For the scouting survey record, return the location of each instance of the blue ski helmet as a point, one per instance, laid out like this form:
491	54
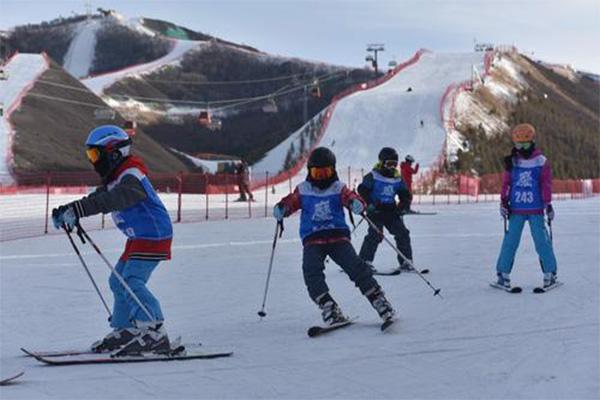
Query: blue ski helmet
107	148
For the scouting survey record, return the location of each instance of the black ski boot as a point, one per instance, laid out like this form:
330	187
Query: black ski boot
330	311
380	303
152	338
114	340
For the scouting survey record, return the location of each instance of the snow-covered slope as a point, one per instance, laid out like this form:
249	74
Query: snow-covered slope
80	56
22	71
391	114
98	83
475	343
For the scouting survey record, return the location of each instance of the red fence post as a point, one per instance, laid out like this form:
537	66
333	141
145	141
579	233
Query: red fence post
179	193
226	196
459	187
433	189
206	193
47	201
266	192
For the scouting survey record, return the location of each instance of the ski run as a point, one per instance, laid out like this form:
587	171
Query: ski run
475	342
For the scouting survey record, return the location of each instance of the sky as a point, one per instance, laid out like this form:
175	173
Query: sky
337	31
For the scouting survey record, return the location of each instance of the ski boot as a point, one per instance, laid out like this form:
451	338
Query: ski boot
376	297
114	340
330	311
152	338
549	279
503	280
406	266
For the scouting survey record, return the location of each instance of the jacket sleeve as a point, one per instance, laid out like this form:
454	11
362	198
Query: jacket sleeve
291	202
128	192
546	183
416	169
349	195
366	187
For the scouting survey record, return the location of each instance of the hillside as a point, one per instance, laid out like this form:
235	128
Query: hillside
564	108
54	120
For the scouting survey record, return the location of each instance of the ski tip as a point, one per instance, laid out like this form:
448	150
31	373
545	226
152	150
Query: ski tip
314	331
387	324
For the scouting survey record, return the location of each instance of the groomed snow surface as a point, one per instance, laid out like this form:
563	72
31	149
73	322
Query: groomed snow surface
476	342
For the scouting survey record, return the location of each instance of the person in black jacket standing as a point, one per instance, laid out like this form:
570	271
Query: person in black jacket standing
379	189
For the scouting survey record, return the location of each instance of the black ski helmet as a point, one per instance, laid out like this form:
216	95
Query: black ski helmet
321	157
388	153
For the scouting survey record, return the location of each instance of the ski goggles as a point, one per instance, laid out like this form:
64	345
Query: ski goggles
522	145
320	173
93	154
390	164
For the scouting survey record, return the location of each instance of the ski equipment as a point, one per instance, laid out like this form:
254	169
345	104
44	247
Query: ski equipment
317	330
278	232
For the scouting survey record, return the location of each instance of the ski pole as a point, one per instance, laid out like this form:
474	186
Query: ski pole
278	232
87	270
436	292
118	275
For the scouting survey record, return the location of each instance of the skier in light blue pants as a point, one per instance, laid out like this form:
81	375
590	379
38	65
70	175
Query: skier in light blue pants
526	195
126	310
541	239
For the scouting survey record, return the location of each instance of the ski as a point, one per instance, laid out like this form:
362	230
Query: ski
178	354
386	324
513	289
413	212
545	289
11	379
76	352
317	330
398	271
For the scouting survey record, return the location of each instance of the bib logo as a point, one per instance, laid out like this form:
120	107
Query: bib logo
322	212
388	191
525	180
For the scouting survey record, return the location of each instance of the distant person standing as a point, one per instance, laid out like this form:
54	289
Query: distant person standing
407	171
243	179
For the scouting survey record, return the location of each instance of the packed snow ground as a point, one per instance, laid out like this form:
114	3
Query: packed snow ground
21	71
476	342
80	56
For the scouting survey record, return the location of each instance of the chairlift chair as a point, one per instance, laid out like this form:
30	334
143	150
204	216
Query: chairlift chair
204	119
215	124
270	107
130	127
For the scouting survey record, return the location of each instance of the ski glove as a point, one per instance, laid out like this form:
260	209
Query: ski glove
550	212
357	206
65	215
279	212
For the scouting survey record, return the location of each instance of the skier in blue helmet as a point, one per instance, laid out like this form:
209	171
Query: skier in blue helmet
126	193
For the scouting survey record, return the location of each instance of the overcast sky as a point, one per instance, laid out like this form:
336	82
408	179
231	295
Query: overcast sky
336	31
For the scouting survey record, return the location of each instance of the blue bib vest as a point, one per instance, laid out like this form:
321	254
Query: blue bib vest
321	209
385	189
147	219
525	187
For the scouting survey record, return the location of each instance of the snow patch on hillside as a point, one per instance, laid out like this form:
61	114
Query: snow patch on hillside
80	57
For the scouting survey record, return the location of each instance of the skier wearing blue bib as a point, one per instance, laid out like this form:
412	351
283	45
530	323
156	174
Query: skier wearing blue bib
379	189
126	193
526	194
324	232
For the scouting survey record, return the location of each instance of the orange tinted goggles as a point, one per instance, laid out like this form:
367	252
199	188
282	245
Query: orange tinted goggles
320	173
93	154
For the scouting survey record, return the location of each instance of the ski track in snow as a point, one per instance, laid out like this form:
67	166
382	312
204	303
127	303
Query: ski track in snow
476	342
80	56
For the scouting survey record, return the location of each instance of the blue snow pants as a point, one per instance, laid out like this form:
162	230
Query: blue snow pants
126	310
541	239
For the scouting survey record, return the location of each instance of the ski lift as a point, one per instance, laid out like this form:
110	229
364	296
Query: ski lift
270	106
315	90
215	124
204	119
130	127
3	74
392	66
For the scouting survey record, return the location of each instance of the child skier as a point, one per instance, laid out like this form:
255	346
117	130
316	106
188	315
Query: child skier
526	193
137	211
379	189
322	198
